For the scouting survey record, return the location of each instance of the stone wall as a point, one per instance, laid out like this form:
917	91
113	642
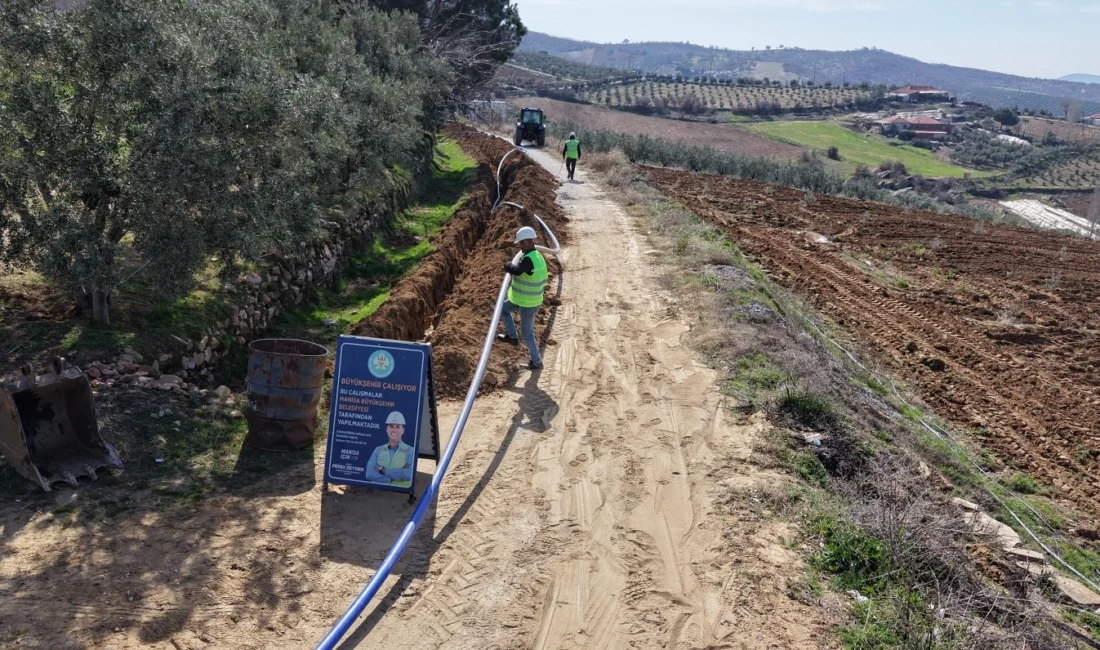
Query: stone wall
259	297
255	299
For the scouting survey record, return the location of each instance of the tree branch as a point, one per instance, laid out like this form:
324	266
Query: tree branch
43	187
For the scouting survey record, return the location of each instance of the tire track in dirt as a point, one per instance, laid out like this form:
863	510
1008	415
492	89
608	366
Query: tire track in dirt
588	507
603	528
995	370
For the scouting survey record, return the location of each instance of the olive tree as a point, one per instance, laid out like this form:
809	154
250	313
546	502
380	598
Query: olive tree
1006	117
473	36
182	131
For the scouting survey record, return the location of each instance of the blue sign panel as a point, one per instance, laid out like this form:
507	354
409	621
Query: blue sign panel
380	405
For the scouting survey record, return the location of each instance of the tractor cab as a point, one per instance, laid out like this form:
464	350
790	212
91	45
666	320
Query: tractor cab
531	127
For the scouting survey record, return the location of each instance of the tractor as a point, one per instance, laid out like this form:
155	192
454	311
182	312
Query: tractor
531	127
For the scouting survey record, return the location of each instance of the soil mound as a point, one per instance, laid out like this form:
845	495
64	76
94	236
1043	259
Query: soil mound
449	299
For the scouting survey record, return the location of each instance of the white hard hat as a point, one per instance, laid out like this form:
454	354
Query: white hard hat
526	232
396	418
572	135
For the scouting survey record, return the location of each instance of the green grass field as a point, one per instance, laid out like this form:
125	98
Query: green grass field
856	149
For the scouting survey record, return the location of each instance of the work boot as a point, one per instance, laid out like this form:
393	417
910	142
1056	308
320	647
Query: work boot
534	366
504	338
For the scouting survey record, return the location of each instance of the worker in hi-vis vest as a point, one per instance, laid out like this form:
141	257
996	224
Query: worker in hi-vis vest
392	462
525	294
571	153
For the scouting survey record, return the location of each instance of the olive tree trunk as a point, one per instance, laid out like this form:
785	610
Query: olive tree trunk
101	307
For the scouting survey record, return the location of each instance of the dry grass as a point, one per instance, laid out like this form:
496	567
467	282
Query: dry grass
601	163
938	583
617	172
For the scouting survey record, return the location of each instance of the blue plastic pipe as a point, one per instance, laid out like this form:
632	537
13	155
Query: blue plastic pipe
356	608
371	590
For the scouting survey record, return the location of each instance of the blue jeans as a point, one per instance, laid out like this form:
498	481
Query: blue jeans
527	322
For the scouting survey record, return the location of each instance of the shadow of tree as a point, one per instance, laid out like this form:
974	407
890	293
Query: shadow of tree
126	564
113	563
152	573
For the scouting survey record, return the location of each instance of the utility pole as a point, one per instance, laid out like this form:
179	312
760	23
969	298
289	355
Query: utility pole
1094	212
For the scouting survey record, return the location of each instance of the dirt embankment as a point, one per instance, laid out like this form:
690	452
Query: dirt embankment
450	297
413	304
995	326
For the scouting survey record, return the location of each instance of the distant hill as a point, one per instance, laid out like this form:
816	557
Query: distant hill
1082	78
562	68
870	65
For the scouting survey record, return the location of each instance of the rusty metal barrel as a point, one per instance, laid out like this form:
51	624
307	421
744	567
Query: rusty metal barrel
285	379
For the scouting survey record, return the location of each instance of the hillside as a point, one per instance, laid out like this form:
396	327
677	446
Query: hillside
1082	78
871	65
561	68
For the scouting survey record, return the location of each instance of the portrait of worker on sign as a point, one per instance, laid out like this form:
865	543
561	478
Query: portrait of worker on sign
392	463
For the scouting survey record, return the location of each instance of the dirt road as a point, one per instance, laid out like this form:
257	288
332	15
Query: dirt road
588	507
598	520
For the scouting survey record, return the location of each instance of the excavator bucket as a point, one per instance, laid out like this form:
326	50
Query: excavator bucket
48	429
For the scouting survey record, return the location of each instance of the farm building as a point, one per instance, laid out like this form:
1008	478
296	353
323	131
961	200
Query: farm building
913	94
1093	120
922	127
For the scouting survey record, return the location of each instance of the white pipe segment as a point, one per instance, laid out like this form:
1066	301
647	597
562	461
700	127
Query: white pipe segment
556	250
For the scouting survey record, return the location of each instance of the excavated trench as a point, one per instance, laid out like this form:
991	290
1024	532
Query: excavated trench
449	299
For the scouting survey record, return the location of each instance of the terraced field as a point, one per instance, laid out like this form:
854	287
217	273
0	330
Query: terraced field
1038	127
1075	171
748	99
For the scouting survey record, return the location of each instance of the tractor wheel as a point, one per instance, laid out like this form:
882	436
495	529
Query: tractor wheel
519	137
542	139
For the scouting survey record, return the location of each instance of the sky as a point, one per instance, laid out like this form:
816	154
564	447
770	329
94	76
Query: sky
1032	38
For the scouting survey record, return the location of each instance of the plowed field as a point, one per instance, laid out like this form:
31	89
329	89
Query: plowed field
995	327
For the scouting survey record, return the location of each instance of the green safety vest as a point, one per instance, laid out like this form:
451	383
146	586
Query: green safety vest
399	460
527	289
572	149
